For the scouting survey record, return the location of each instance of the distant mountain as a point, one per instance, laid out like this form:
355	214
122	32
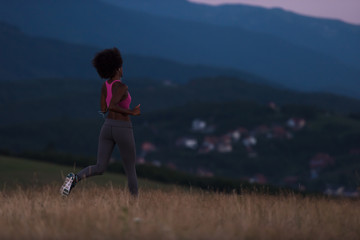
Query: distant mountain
192	42
27	57
331	37
24	57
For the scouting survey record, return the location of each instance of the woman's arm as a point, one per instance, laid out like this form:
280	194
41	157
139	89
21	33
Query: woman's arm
118	92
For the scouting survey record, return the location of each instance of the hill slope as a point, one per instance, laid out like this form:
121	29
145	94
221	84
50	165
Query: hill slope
24	56
279	151
332	37
25	172
60	98
27	57
186	41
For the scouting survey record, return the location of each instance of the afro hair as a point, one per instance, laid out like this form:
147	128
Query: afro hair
107	62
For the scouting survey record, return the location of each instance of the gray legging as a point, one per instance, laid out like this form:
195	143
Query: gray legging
121	133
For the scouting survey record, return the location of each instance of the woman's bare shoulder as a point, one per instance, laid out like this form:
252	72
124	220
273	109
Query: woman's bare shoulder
120	85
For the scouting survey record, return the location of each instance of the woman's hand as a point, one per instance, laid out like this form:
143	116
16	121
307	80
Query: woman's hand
136	110
102	113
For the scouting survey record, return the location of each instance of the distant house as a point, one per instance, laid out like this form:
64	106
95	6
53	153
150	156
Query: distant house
187	142
198	125
222	144
296	123
249	141
209	144
235	135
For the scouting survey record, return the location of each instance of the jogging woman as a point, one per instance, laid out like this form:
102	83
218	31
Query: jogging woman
117	128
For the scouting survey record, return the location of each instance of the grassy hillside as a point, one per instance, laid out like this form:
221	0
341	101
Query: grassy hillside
27	172
30	173
110	213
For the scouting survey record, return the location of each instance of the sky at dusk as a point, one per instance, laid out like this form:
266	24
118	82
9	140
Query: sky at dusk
346	10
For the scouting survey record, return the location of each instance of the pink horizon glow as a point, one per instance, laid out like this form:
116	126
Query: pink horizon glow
345	10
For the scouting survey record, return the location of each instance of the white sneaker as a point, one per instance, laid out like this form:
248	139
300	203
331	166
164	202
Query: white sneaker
68	184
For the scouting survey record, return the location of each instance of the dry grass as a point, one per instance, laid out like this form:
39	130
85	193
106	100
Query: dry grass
110	213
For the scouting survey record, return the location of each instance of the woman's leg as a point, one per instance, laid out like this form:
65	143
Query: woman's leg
105	149
124	138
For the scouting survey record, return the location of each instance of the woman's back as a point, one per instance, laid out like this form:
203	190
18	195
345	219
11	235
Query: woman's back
113	95
125	103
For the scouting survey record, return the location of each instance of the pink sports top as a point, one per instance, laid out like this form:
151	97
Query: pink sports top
124	103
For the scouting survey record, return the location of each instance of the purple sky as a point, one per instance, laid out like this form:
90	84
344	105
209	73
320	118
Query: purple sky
346	10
